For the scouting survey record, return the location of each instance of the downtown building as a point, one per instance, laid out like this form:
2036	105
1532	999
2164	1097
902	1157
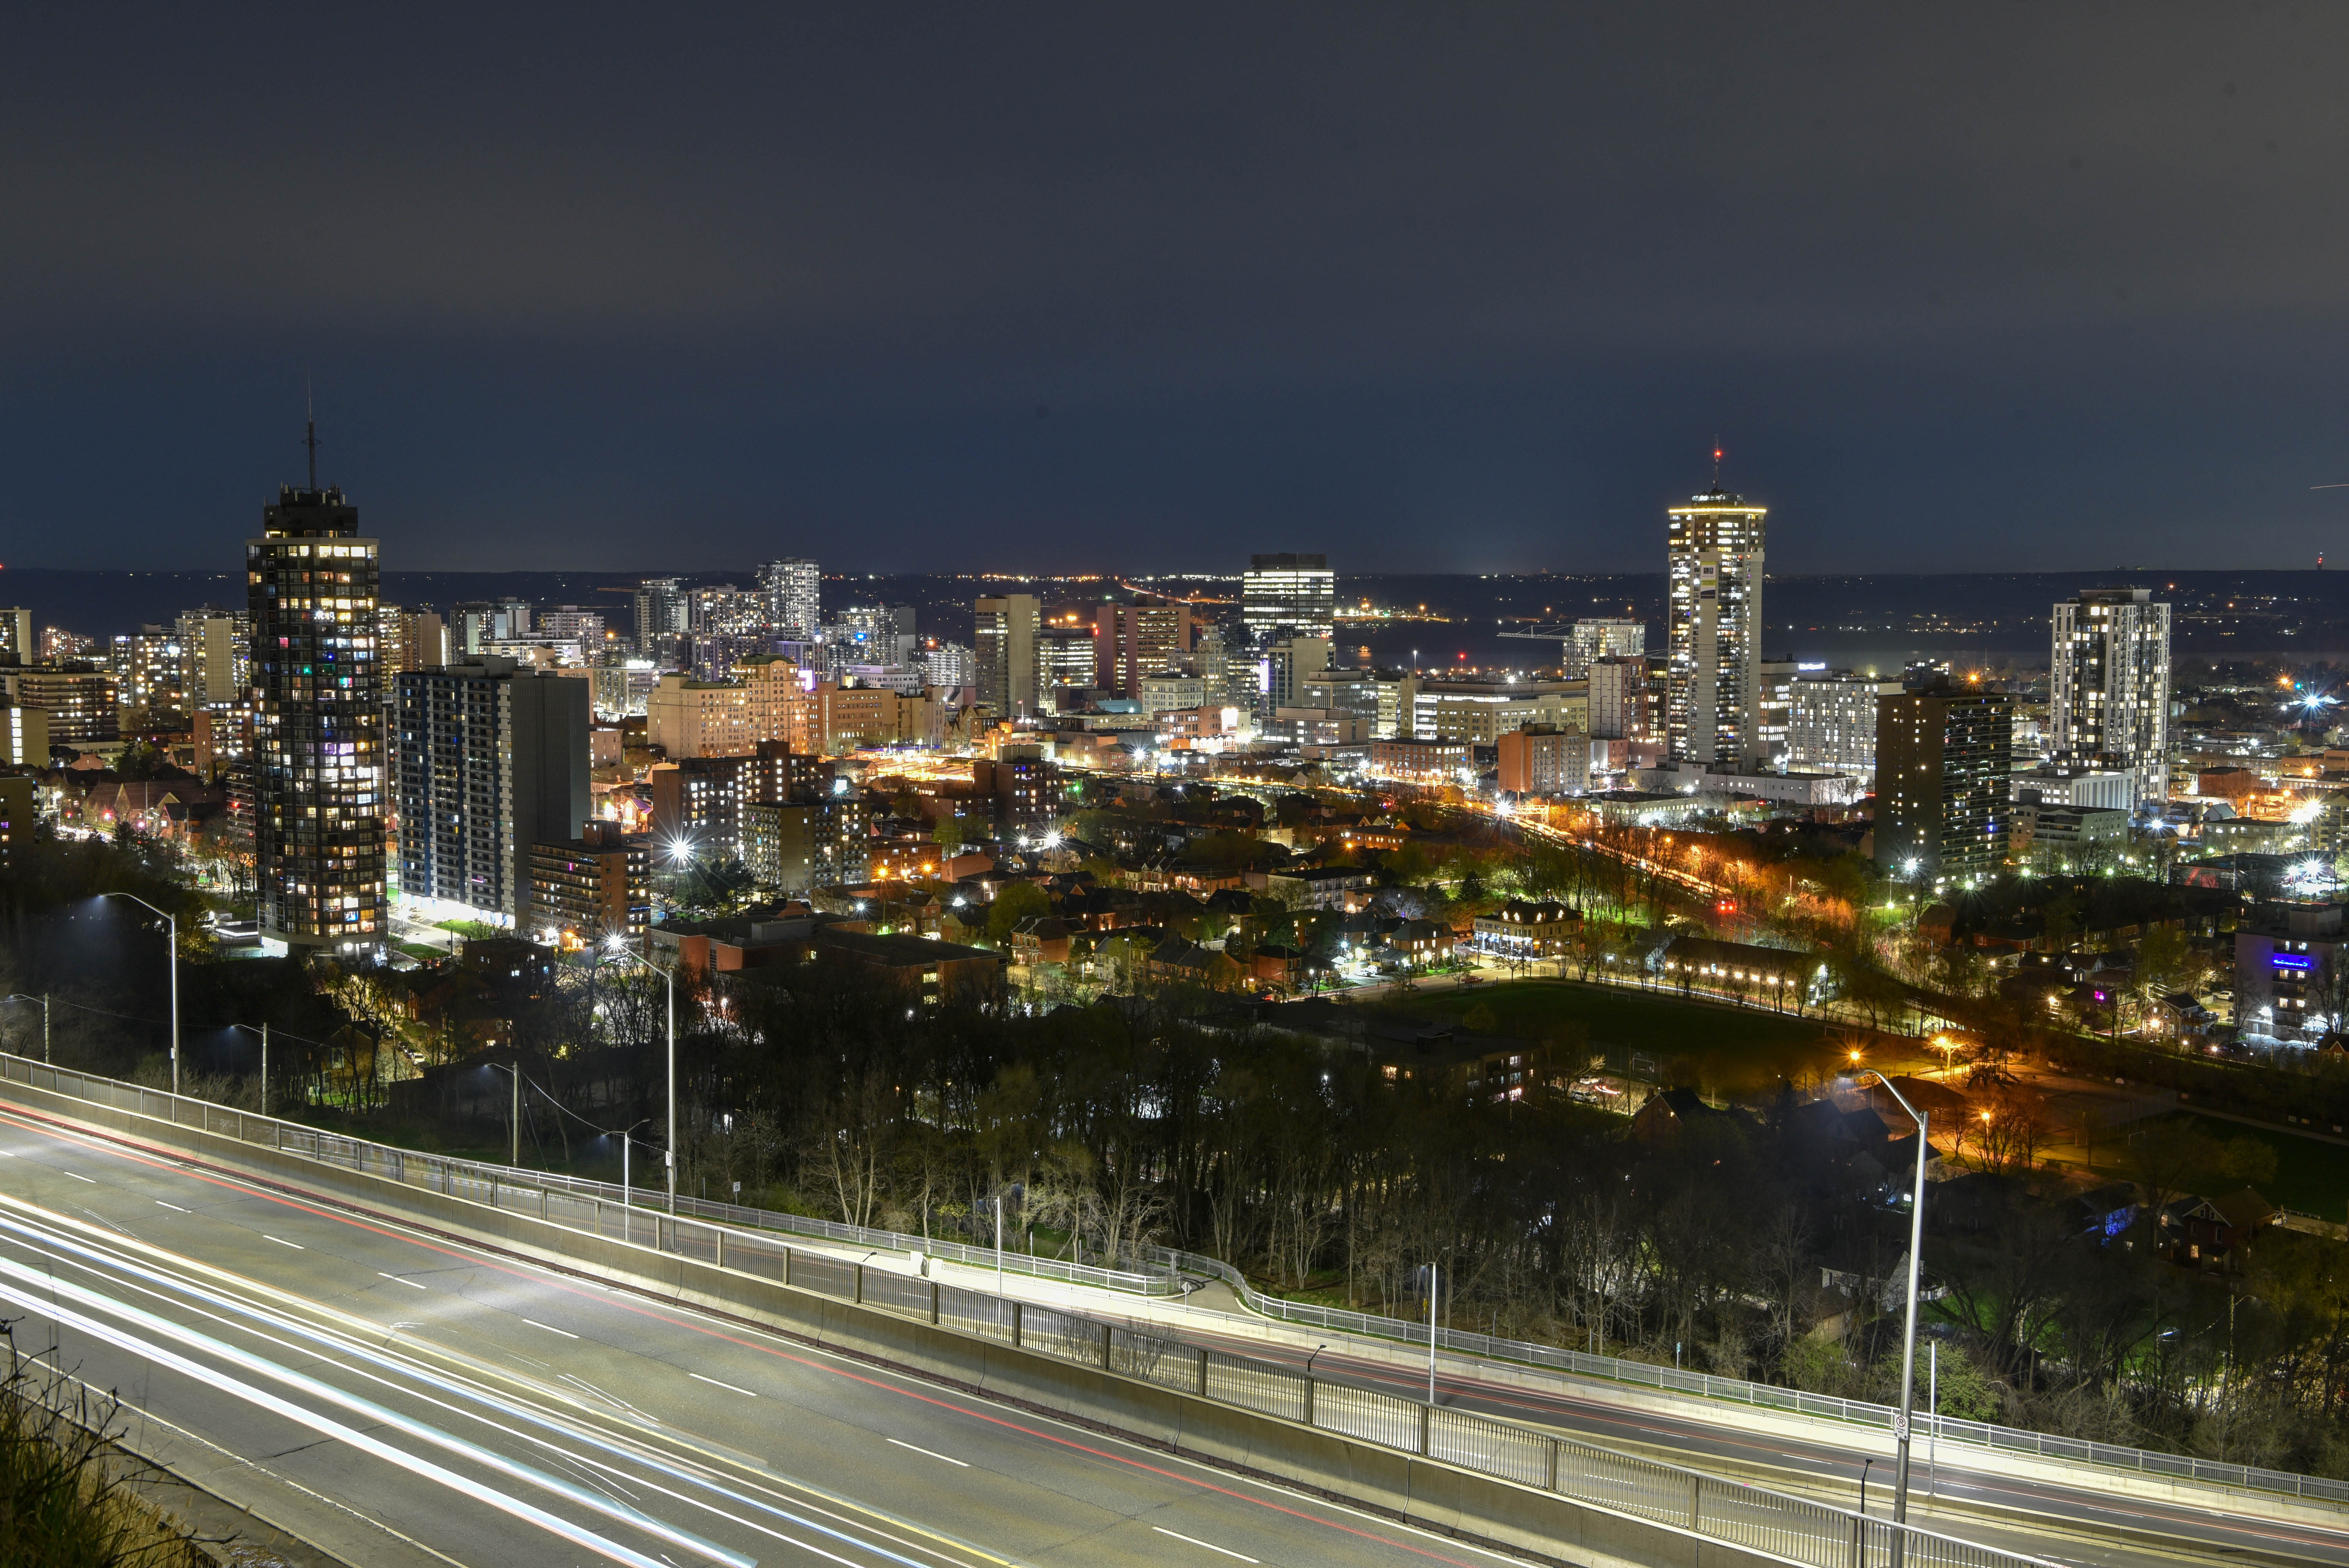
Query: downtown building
1006	652
317	766
1831	725
2108	687
1289	595
1588	642
592	888
793	591
1712	694
1944	811
491	761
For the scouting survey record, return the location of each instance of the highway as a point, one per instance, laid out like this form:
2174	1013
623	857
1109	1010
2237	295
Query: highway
397	1399
1824	1463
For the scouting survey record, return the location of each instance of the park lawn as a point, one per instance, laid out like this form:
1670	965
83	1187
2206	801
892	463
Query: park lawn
2311	1177
1741	1052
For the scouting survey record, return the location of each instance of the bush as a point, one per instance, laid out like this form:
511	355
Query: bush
64	1497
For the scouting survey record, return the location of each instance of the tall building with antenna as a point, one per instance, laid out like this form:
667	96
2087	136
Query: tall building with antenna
312	585
1712	689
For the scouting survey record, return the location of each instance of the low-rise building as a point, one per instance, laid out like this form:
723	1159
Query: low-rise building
2289	980
1544	759
1522	930
590	887
1420	761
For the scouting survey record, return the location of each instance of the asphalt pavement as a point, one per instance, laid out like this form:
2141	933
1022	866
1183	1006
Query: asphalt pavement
397	1399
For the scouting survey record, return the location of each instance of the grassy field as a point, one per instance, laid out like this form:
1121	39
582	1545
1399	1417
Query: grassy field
2309	1176
1734	1051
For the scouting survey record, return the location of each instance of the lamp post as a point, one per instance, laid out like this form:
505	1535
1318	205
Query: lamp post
1908	1334
171	924
617	946
44	1000
264	1032
513	1123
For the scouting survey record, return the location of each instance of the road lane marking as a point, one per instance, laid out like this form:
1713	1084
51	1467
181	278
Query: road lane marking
700	1379
284	1243
1197	1542
550	1328
173	1207
79	1176
948	1457
397	1280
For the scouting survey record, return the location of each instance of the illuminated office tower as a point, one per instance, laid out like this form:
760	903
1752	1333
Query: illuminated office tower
793	592
1289	595
1712	694
1004	629
2108	687
1590	641
318	764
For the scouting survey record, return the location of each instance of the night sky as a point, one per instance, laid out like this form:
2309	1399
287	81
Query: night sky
1431	288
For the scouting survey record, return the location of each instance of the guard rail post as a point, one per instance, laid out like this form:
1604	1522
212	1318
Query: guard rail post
856	1284
934	1303
1105	1339
721	1246
787	1265
1203	1372
1696	1500
1309	1401
1016	1324
1426	1450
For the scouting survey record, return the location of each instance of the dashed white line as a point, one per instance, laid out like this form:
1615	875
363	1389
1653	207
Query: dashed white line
284	1243
713	1382
173	1207
397	1280
79	1176
1197	1542
934	1454
550	1328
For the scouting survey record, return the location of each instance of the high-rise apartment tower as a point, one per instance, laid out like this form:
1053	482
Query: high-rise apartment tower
1713	699
319	759
793	589
2108	689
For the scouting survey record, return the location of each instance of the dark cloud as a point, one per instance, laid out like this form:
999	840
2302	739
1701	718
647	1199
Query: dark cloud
1427	286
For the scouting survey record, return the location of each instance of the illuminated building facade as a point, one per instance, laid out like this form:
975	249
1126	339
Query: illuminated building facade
1712	696
312	583
2109	685
1289	595
1591	641
793	592
1831	723
491	760
1005	642
1943	812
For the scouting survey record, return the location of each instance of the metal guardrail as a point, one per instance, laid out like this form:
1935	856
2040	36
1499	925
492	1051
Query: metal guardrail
443	1175
1797	1531
597	1206
1765	1396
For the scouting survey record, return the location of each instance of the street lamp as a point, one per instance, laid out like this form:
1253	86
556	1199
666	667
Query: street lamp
172	923
617	946
264	1032
44	1000
1908	1334
513	1124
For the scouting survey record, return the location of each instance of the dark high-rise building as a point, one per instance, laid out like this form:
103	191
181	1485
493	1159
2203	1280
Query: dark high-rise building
1004	638
1942	762
492	760
319	759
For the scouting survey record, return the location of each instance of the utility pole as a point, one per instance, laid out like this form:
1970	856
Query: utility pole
45	1028
264	1069
513	1124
